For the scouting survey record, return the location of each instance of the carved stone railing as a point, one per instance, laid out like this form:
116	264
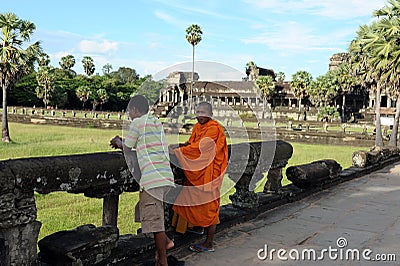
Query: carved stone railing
248	166
374	155
102	175
105	175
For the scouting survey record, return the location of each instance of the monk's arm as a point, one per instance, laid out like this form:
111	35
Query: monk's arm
206	143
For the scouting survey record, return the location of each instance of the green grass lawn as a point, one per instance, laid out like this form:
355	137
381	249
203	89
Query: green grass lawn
63	211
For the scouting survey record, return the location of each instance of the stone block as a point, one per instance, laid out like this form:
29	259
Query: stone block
84	245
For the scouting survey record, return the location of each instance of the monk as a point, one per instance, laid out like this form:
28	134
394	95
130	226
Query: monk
203	158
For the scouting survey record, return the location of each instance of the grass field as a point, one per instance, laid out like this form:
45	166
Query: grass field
63	211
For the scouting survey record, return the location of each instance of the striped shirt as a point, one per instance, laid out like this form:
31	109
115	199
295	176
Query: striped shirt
146	135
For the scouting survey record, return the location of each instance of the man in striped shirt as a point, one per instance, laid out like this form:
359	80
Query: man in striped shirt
147	137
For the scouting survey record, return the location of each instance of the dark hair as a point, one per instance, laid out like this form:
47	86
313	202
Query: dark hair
208	105
140	103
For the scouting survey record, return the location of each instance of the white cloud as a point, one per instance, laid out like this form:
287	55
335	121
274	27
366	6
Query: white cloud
207	10
57	56
154	45
87	46
293	37
340	9
167	18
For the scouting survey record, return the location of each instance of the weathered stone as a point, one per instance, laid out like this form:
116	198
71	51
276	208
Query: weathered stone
365	158
7	180
313	174
84	245
374	155
76	174
274	179
16	248
247	164
106	175
7	201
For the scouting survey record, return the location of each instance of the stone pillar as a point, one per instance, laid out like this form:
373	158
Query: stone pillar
18	244
274	178
243	197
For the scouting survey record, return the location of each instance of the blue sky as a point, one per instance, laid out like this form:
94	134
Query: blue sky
149	35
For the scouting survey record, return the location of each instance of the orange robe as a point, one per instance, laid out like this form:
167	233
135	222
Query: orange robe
204	163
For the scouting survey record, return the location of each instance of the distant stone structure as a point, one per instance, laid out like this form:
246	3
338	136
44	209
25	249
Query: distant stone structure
253	72
229	96
244	92
337	59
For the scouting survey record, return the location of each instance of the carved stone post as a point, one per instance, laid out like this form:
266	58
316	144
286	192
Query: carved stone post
274	179
248	163
243	197
110	210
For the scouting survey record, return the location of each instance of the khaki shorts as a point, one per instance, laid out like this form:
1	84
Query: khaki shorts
149	211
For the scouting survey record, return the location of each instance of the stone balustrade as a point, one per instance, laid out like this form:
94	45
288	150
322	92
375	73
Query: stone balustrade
102	175
105	175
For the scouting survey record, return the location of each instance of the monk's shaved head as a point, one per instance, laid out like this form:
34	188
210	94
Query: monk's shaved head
207	105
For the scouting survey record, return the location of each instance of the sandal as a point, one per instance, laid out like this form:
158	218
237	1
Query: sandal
199	248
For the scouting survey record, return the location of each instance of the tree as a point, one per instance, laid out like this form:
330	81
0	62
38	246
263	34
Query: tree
88	65
45	78
250	70
267	85
125	75
107	69
102	97
368	61
346	82
281	76
193	36
67	63
300	82
388	51
15	61
323	89
83	93
44	60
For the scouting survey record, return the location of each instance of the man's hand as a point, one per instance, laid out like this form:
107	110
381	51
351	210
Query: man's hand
116	142
172	147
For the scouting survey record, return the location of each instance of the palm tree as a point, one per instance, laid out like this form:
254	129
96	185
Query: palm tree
45	78
67	62
107	69
300	82
15	61
102	97
267	85
44	60
193	36
365	64
323	89
389	48
346	82
83	93
88	65
280	76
